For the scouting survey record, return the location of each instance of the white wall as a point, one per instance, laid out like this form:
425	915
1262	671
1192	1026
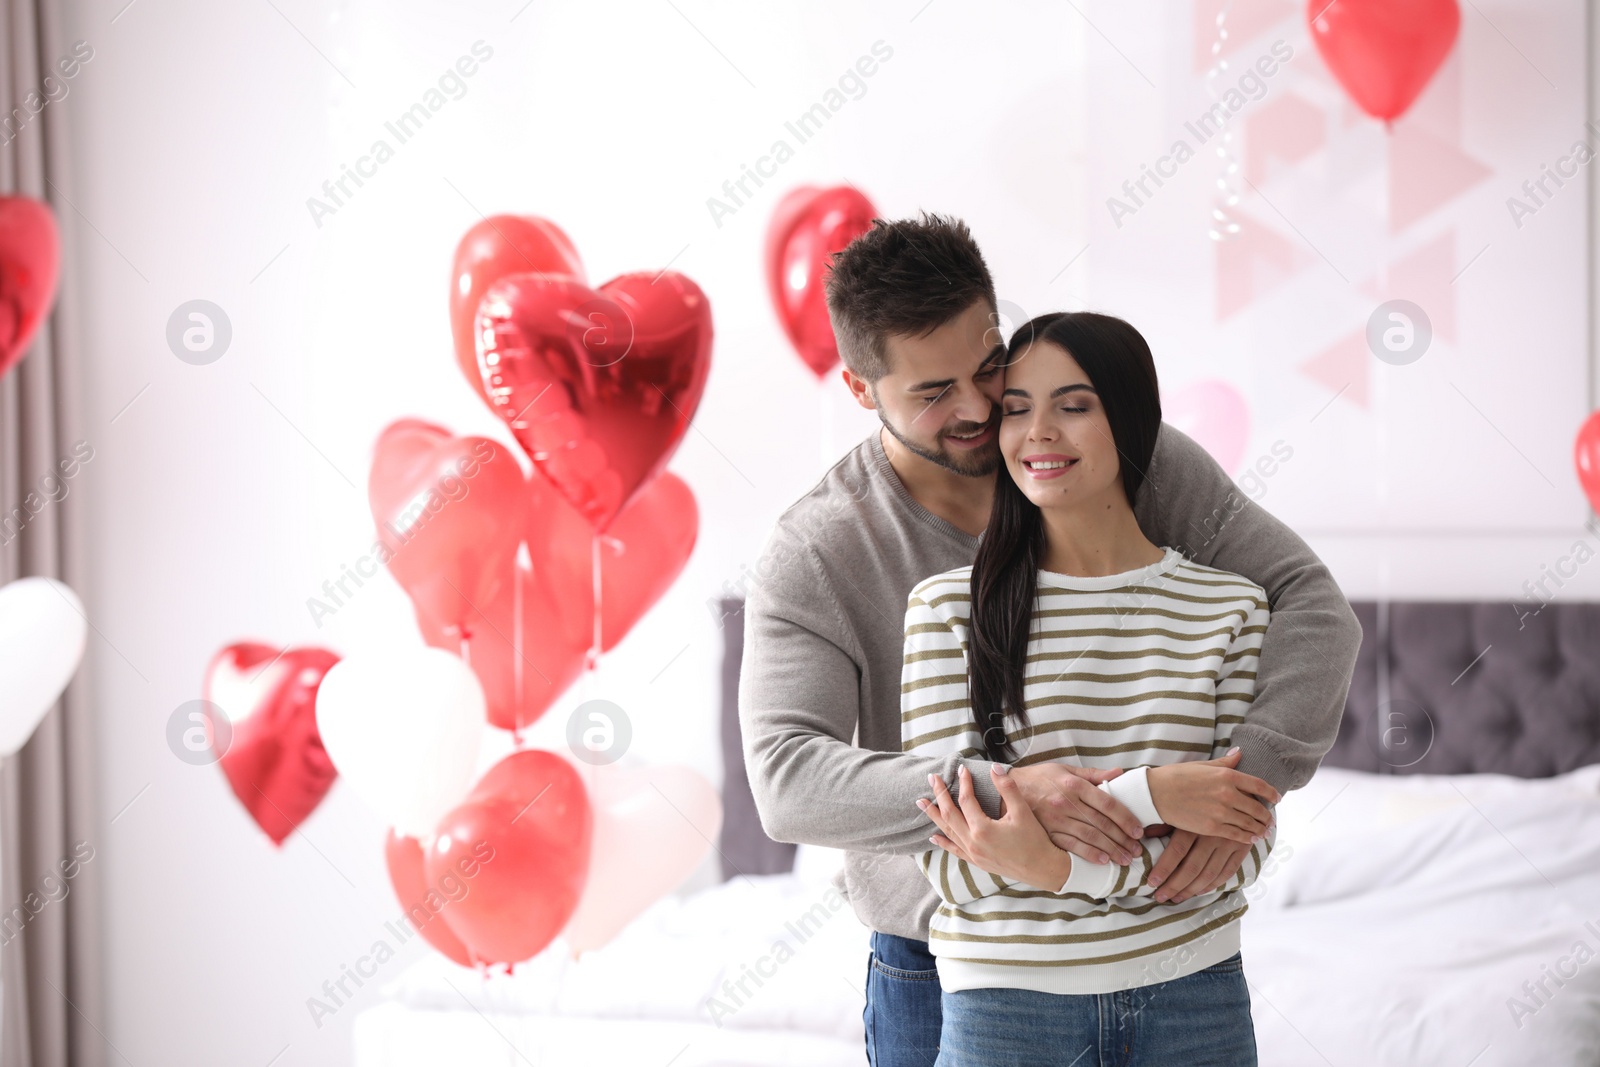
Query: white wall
224	495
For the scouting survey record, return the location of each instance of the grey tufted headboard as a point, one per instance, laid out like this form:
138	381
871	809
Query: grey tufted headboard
746	849
1471	687
1439	688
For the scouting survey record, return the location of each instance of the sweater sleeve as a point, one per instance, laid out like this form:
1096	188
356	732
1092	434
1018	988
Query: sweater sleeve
799	707
936	718
1309	650
1102	881
1235	687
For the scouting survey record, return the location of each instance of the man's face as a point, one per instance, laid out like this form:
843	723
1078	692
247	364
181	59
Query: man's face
941	397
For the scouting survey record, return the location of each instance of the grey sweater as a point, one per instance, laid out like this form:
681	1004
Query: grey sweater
819	685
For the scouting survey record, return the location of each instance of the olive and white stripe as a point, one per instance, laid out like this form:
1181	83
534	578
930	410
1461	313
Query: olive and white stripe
1150	667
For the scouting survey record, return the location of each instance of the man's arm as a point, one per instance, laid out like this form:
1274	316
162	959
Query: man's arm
799	703
1309	652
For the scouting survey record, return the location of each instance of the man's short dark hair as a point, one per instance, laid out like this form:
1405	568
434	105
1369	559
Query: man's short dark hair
908	276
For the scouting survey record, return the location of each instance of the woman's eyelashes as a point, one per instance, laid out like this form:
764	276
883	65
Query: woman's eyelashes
1066	410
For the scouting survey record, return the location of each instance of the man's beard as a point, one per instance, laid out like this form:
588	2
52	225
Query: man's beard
974	463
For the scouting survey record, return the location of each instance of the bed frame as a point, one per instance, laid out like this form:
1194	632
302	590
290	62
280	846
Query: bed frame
1439	688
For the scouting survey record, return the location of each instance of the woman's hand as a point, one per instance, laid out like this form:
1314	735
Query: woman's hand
1015	846
1210	798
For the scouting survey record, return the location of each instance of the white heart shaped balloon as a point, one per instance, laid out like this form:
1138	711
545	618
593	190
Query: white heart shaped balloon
43	631
403	728
652	827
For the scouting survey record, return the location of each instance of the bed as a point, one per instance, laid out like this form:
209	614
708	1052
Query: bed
1435	900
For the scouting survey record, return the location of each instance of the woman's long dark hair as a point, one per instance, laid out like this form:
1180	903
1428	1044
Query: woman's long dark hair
1005	571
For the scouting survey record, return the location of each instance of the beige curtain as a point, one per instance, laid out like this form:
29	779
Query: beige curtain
50	970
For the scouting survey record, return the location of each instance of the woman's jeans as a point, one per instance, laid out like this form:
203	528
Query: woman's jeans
1199	1020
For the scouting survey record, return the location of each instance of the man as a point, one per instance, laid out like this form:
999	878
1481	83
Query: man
914	311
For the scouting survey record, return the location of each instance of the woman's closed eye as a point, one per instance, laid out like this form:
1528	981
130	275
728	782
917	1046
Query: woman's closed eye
1066	409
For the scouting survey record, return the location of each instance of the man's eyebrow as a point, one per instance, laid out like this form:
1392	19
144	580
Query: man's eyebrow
1059	390
996	353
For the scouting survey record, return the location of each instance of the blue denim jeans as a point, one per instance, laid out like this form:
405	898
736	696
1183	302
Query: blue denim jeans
1199	1020
902	1015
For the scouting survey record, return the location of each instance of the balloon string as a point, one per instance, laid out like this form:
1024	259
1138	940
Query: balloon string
594	566
520	703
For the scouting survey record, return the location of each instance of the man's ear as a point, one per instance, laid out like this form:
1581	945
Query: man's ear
859	388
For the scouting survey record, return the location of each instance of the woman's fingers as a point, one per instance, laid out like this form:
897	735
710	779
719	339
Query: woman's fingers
1249	783
1171	872
970	807
1085	841
950	818
1251	814
931	810
941	795
951	847
1233	832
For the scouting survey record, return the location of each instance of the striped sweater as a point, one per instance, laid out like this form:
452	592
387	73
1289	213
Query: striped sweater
1133	670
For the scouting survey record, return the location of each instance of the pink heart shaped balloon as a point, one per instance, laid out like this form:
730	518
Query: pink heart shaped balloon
1215	415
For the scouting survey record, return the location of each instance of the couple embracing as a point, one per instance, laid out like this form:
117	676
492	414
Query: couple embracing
1030	659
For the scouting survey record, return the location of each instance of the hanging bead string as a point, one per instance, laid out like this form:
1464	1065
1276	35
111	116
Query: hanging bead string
1223	225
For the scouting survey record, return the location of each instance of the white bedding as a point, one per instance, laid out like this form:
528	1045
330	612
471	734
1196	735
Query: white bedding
1414	908
1402	915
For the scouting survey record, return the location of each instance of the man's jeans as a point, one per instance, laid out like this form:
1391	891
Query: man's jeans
1198	1020
903	1013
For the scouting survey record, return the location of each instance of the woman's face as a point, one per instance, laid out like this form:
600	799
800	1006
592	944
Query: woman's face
1054	436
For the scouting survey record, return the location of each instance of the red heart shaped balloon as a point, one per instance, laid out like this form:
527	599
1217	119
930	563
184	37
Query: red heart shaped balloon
524	671
450	512
808	226
598	386
529	826
423	902
495	247
1384	52
641	555
30	259
274	761
1586	458
524	646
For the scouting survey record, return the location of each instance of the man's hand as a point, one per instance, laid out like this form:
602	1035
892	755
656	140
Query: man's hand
1080	818
1211	798
1014	846
1193	864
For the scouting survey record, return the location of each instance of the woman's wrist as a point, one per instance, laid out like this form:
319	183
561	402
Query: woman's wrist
1053	869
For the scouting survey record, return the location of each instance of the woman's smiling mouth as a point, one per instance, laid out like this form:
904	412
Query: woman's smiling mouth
1047	465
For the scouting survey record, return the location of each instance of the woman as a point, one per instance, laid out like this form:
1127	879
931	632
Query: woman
1072	637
